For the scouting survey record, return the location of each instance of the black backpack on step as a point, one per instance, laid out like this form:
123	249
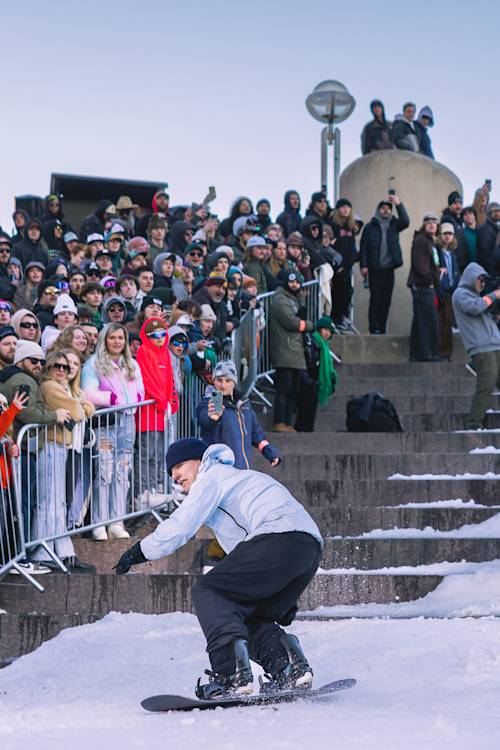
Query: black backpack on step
372	413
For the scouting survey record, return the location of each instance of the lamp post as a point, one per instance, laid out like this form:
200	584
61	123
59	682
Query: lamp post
331	103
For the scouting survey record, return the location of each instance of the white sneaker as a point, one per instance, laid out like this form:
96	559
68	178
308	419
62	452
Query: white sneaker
100	534
117	531
32	568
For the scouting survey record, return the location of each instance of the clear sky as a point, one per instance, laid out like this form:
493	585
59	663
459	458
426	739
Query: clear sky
212	93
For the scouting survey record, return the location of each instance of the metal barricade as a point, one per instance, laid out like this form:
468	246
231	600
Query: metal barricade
12	547
186	424
111	469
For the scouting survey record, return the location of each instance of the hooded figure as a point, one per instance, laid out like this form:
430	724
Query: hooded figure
290	219
94	223
170	282
177	241
376	135
425	121
226	227
28	250
313	241
53	231
115	300
157	376
480	336
20	234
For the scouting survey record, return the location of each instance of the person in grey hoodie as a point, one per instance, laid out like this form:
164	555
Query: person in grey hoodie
425	121
480	336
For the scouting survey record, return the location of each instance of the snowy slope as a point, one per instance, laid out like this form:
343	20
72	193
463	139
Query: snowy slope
429	684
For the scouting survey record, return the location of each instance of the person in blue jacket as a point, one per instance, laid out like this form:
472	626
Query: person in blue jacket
273	551
237	426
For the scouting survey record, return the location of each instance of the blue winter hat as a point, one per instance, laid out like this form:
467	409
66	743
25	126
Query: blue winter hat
184	450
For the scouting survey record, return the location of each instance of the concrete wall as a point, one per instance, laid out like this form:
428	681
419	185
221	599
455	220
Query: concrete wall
423	185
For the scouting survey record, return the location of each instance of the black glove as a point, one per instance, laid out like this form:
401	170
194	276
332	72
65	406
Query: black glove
302	313
270	453
133	556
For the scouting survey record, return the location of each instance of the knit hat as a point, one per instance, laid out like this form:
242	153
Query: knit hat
154	324
447	226
262	200
7	331
26	349
65	304
184	450
150	300
225	369
325	322
184	320
34	264
318	196
215	279
294	239
493	207
454	196
207	313
343	202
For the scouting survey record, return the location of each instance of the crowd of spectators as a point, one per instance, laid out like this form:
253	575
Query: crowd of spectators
404	132
132	303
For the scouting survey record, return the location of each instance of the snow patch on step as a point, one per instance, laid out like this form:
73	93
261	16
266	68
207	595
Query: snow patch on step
488	529
468	590
429	477
486	449
457	503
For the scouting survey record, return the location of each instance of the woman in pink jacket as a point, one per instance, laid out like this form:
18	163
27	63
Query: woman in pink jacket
111	377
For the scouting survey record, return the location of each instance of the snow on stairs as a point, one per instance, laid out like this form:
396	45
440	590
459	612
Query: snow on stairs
373	524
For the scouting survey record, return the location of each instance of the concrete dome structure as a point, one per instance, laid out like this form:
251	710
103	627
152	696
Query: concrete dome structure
423	185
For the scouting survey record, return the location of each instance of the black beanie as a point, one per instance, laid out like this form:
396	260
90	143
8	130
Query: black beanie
454	196
343	202
262	200
319	196
184	450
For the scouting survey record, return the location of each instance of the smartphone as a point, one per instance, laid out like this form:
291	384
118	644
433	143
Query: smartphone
24	388
217	401
392	191
70	424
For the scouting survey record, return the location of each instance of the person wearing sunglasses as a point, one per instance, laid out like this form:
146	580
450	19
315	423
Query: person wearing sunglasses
54	444
26	325
53	212
48	294
65	314
114	310
449	276
153	359
194	259
111	377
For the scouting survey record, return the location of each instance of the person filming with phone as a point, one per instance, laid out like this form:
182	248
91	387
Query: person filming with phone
380	255
225	417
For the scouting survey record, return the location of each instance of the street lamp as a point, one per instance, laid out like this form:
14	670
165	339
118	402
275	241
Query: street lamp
331	103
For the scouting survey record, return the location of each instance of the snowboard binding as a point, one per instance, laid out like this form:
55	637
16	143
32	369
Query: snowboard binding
221	685
296	675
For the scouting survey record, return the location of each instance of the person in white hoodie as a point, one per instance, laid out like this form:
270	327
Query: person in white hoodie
65	314
273	549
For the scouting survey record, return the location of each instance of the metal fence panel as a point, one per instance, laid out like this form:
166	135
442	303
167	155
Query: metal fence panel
12	548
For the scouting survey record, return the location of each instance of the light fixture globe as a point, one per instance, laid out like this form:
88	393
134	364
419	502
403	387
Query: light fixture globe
330	102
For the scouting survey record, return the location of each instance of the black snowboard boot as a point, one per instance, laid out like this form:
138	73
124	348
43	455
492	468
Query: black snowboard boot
296	675
223	685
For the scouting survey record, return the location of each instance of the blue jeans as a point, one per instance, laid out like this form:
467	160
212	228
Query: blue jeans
114	446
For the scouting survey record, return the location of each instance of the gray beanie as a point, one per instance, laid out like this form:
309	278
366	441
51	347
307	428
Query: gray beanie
26	349
225	369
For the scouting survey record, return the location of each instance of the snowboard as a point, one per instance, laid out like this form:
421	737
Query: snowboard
160	703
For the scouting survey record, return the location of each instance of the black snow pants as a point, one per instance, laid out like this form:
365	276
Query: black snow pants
253	591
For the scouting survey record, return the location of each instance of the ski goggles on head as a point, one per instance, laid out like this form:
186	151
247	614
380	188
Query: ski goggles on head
159	334
51	290
5	306
109	284
63	286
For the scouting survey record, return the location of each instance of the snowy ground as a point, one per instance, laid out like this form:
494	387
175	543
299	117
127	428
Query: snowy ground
422	683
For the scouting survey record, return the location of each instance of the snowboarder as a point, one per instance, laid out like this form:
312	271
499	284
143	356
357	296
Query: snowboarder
273	550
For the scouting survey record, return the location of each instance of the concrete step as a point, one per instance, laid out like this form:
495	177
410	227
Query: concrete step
380	443
384	349
418	404
353	521
442	370
335	422
373	554
364	467
399	386
34	618
374	493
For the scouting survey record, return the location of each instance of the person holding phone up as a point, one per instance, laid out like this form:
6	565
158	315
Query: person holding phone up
225	417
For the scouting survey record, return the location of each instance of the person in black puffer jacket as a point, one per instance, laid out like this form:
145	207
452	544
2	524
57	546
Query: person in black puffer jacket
343	225
290	219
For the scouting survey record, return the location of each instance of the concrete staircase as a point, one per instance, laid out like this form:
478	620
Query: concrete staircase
346	481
